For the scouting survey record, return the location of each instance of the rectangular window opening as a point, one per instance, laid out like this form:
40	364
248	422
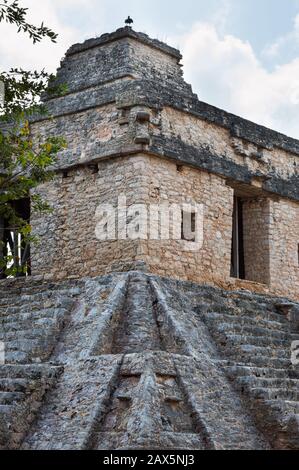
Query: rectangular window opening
188	225
14	245
237	250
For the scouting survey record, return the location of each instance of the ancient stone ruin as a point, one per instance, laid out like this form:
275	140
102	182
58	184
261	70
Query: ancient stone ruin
126	338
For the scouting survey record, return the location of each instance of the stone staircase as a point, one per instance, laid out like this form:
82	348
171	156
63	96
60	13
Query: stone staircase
22	389
133	361
32	316
133	379
256	343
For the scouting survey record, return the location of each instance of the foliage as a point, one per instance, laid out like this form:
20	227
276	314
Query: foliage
24	164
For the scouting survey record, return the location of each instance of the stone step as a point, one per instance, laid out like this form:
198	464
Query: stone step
29	371
219	318
231	339
6	293
25	344
261	361
28	350
283	406
12	371
250	330
26	306
266	372
247	352
14	307
14	385
40	293
13	358
7	398
33	334
18	357
162	440
22	320
272	382
29	287
6	409
274	393
257	314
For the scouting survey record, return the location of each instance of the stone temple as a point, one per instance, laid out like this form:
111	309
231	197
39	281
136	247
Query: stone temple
150	341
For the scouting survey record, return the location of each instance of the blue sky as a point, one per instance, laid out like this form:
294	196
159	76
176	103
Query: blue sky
240	55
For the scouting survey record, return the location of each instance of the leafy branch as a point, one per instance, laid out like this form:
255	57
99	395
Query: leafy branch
24	163
13	13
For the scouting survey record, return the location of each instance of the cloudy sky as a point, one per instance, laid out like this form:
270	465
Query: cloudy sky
240	55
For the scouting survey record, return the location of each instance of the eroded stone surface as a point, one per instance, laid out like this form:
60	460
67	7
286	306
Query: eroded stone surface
130	360
147	362
134	127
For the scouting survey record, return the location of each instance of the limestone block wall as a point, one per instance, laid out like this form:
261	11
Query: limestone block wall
83	131
98	61
270	161
166	181
134	127
284	245
93	66
149	63
68	244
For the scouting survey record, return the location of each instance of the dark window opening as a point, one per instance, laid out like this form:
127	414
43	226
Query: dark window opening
13	244
188	224
93	169
237	251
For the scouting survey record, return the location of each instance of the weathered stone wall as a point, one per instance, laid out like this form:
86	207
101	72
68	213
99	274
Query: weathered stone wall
69	246
283	241
83	131
198	133
101	62
134	126
171	257
271	229
256	222
110	124
135	361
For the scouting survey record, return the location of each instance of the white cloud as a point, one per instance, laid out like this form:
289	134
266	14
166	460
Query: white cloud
225	71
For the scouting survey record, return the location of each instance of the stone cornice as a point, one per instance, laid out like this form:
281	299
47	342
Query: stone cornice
128	93
121	33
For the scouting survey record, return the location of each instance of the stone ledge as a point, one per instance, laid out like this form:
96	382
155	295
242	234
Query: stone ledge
204	159
142	92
